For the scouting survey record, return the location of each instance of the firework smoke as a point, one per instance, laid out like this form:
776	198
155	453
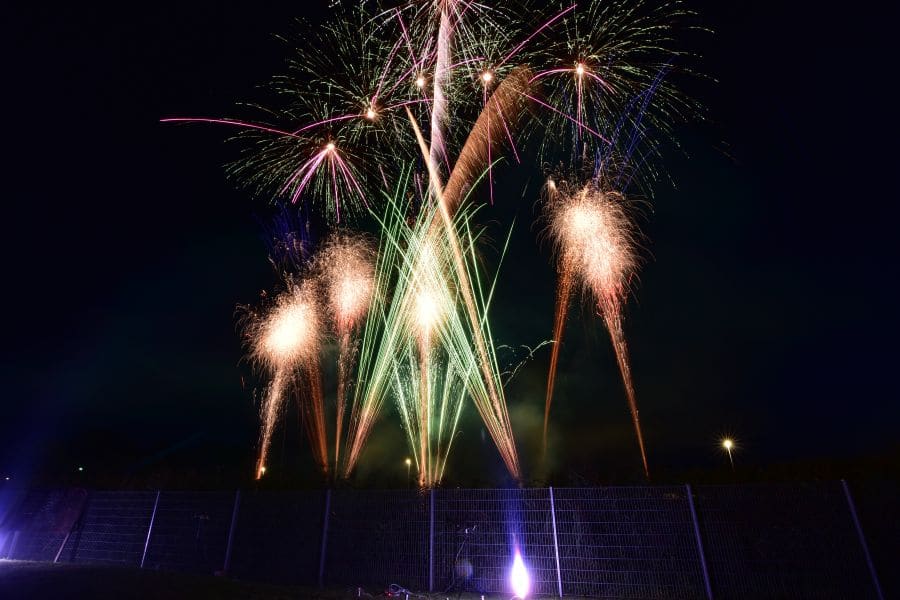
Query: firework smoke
499	118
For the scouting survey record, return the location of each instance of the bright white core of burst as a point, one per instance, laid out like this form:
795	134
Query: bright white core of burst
287	333
351	294
428	310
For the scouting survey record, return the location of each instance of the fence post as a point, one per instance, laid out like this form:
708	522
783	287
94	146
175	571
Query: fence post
555	542
75	525
61	546
690	497
234	518
862	539
431	540
324	537
150	528
10	554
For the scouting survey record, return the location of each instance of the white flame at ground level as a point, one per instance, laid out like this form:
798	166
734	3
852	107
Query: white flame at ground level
518	577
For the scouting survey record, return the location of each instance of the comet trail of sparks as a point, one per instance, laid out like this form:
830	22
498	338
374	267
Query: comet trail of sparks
345	266
595	241
285	340
563	296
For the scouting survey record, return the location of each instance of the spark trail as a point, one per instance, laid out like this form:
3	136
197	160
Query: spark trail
284	341
595	241
345	266
493	411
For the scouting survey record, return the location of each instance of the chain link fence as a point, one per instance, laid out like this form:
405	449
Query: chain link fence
822	540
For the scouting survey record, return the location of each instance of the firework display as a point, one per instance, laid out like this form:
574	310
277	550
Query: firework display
346	268
595	242
396	127
285	341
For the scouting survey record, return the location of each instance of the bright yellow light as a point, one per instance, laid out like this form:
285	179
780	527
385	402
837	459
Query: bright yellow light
428	310
370	113
329	146
579	69
727	443
420	82
262	470
487	76
408	461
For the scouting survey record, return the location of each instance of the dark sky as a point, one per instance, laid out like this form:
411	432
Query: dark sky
766	309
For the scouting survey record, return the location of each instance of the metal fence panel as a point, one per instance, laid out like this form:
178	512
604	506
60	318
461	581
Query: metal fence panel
781	541
10	499
190	532
112	530
277	537
378	537
760	541
627	542
44	519
477	532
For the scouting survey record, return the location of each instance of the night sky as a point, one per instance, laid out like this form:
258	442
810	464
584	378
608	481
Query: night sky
766	309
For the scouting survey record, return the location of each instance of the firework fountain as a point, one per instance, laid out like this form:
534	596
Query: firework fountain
283	341
595	241
346	268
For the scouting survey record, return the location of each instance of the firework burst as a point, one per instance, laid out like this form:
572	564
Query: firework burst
605	82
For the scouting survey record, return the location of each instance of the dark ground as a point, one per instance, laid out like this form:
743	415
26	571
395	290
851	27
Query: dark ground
32	580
